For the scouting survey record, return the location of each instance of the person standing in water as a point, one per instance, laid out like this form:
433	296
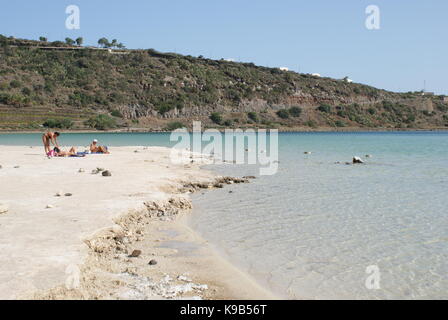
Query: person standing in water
50	137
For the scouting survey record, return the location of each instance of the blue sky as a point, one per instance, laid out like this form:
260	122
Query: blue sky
321	36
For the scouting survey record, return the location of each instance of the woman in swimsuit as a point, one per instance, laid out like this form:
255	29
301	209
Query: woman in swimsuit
94	148
60	153
50	137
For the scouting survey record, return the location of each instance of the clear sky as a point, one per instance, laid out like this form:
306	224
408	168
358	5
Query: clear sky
320	36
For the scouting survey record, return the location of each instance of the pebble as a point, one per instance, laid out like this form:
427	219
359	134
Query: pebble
1	166
357	160
3	208
58	194
307	152
81	170
16	167
49	206
152	262
68	194
106	173
183	278
135	253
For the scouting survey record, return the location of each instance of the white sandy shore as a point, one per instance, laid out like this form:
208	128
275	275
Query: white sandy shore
100	224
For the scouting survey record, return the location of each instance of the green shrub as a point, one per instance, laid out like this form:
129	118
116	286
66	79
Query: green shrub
15	84
26	91
311	124
324	108
372	111
79	98
410	118
252	116
58	123
340	123
14	100
116	113
295	111
216	117
442	107
174	125
101	122
228	123
283	114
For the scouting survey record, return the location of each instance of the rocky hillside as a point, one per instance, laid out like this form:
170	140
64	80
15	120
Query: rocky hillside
57	85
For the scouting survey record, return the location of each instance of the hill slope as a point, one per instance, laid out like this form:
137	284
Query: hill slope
149	89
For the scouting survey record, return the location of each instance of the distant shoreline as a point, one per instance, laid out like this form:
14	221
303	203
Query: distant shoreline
282	130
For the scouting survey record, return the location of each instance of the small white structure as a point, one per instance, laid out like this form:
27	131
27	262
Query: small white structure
348	80
316	75
284	69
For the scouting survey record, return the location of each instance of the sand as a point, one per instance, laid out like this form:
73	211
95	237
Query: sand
78	246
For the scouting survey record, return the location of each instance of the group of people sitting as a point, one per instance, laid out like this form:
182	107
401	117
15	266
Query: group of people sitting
51	138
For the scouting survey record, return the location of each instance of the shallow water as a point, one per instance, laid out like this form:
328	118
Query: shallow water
312	229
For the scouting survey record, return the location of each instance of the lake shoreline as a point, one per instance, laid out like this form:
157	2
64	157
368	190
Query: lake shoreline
63	237
282	130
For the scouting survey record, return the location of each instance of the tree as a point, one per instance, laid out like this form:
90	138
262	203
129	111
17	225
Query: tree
69	41
120	46
79	41
103	42
114	43
43	39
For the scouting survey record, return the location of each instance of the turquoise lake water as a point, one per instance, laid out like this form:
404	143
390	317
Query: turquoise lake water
312	229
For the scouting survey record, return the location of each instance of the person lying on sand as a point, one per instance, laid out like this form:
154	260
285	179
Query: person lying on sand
50	137
61	153
94	148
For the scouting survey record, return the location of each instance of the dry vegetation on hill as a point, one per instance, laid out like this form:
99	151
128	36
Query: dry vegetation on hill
77	88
